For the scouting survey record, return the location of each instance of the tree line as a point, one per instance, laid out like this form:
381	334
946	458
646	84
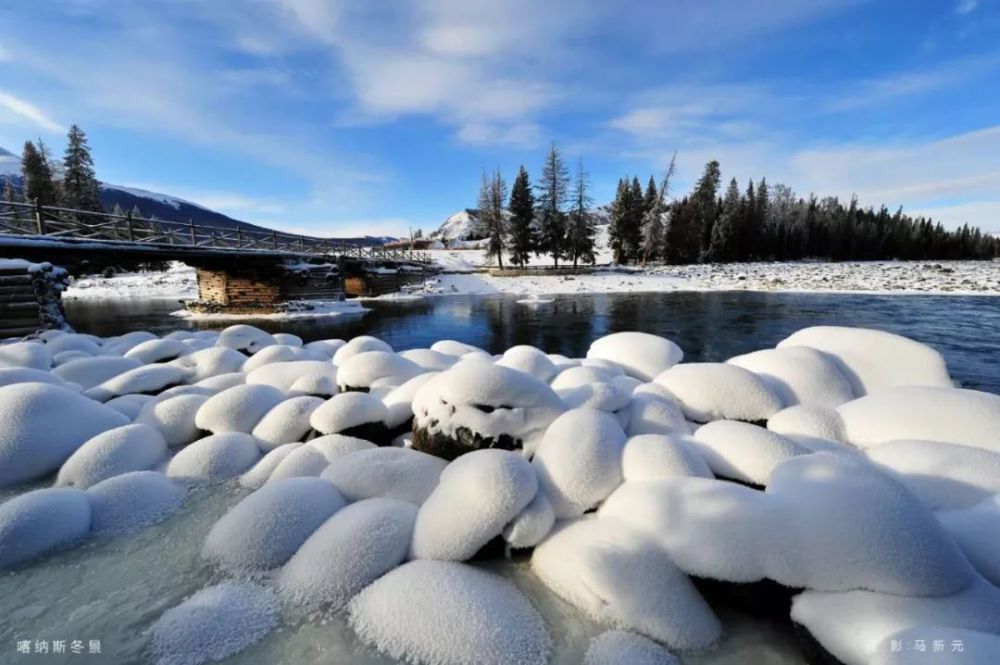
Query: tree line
761	222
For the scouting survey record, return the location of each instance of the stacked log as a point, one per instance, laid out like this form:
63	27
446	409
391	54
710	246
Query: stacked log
30	297
376	280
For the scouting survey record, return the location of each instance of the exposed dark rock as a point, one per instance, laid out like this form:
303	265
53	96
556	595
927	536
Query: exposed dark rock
464	441
765	598
813	652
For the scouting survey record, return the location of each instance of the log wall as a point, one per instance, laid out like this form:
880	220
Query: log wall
263	291
30	298
382	281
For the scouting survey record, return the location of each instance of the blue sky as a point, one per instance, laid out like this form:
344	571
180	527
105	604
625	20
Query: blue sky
351	116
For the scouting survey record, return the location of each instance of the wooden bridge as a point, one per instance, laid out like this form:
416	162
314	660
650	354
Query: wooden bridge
241	269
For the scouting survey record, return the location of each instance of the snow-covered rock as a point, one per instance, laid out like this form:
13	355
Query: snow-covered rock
174	417
652	413
286	422
482	405
641	355
620	576
944	475
283	375
11	375
976	529
316	385
949	415
717	391
874	360
348	552
216	622
245	338
111	453
530	526
799	375
804	420
158	351
613	647
215	457
38	522
396	473
287	339
25	354
129	405
530	360
89	372
266	528
851	625
399	401
358	345
326	347
316	455
41	425
211	362
353	413
743	452
453	348
432	361
237	409
606	397
579	461
147	379
281	353
262	470
658	456
73	342
365	370
574	377
476	497
131	501
221	382
442	613
124	343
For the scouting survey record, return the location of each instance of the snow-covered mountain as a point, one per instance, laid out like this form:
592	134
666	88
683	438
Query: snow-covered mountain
155	204
463	225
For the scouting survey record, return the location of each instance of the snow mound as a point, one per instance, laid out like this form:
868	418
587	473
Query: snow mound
237	409
579	460
818	422
211	362
90	372
717	391
949	415
214	623
131	501
64	357
656	456
262	470
124	343
476	497
574	377
112	453
129	405
396	473
977	531
874	360
480	405
346	411
281	353
641	355
41	425
432	361
215	457
441	613
287	422
530	526
25	354
220	382
743	452
348	552
601	396
452	348
326	347
315	456
851	625
284	375
287	339
266	528
315	385
613	647
245	338
358	345
174	417
399	402
73	342
11	375
799	375
363	370
621	577
158	351
530	360
652	413
148	379
937	645
38	522
944	475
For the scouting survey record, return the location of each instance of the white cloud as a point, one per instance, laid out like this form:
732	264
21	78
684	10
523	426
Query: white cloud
25	110
966	6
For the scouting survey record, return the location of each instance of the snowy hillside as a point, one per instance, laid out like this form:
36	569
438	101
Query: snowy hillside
10	164
463	225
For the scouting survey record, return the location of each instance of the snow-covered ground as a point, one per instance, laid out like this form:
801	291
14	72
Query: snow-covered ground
178	282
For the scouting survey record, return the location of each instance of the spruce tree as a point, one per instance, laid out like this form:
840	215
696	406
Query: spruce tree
619	214
81	189
580	232
654	226
637	211
522	212
552	193
724	245
492	195
38	183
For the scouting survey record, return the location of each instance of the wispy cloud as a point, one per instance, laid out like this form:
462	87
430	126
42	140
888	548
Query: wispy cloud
27	111
966	6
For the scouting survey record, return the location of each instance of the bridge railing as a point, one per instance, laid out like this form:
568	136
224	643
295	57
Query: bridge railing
54	222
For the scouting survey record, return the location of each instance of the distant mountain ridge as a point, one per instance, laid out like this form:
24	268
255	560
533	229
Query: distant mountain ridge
160	206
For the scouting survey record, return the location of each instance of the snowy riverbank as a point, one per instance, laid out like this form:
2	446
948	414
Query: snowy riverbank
178	282
241	492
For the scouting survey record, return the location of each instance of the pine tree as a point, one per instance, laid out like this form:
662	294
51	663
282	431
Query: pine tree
12	214
724	244
619	213
654	224
686	233
757	224
81	189
38	183
637	211
580	232
522	212
552	192
492	195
